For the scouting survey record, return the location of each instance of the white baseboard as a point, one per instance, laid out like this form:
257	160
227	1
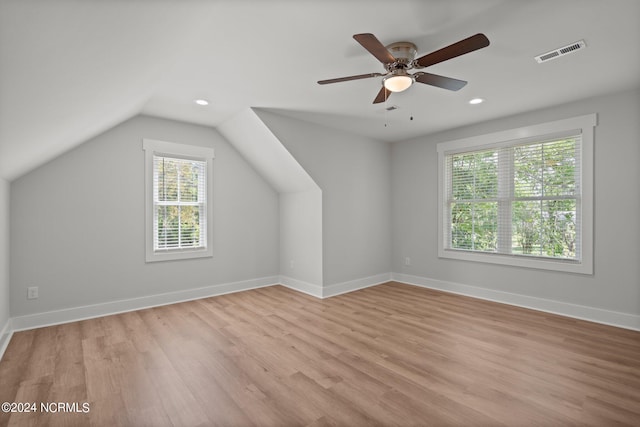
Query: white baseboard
57	317
319	291
6	332
302	286
354	285
592	314
38	320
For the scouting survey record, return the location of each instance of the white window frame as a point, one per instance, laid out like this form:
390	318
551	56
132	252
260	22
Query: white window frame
585	125
153	147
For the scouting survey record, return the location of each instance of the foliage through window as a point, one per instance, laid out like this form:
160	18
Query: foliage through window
178	190
521	200
179	203
512	198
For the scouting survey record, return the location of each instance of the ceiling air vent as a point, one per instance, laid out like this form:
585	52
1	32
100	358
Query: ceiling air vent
557	53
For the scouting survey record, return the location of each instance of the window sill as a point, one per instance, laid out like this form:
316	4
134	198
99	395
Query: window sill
561	265
174	255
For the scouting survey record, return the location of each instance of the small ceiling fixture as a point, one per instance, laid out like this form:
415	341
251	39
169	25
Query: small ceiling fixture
201	102
476	101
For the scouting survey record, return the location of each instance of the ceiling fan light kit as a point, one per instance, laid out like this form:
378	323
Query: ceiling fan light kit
398	81
397	58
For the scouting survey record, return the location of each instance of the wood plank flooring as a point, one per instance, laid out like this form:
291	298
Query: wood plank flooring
393	355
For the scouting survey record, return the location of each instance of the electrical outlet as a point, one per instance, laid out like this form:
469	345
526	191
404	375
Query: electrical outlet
32	292
407	261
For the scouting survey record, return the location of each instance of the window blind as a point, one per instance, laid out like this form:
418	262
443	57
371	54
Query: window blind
520	198
179	203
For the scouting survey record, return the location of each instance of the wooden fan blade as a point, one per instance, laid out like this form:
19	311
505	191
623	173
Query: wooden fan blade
346	79
460	48
439	81
383	95
373	45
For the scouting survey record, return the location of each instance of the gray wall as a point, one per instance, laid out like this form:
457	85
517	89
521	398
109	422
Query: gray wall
615	285
300	205
301	236
77	223
353	173
4	254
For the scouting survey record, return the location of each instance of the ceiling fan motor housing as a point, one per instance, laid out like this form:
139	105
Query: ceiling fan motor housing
403	52
398	79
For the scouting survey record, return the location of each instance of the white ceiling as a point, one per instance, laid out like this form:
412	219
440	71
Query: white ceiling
72	69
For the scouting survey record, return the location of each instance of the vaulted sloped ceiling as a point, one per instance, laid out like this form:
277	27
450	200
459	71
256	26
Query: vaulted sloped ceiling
264	151
70	69
73	69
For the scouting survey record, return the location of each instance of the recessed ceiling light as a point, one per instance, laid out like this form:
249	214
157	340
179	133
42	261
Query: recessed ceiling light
475	101
201	102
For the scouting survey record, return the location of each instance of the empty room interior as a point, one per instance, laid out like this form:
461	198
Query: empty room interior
319	213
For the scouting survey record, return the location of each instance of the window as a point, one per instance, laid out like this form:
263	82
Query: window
521	197
178	188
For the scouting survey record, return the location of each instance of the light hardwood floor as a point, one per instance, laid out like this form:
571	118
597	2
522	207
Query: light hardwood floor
388	355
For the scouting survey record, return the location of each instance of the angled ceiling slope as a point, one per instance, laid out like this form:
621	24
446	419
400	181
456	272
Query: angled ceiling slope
262	149
71	69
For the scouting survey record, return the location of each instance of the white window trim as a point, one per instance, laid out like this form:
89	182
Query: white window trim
153	147
583	124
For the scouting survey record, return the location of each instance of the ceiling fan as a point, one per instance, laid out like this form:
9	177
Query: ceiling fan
399	57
